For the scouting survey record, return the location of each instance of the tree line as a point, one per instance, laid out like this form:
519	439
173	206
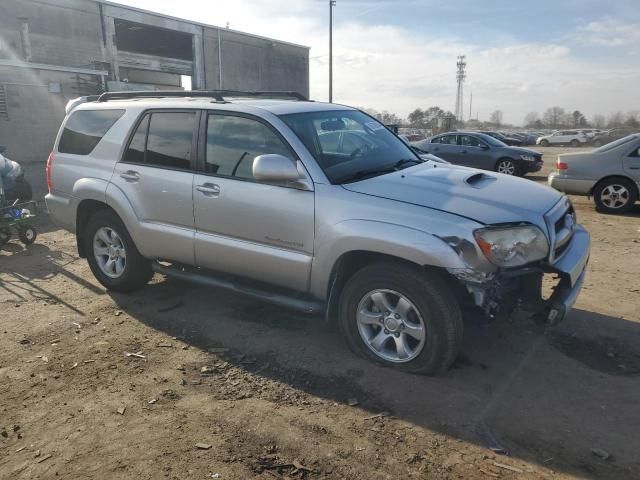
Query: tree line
553	117
557	117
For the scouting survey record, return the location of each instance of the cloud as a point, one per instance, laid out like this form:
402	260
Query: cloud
608	33
389	67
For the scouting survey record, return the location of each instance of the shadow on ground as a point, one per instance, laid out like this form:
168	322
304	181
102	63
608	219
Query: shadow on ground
547	395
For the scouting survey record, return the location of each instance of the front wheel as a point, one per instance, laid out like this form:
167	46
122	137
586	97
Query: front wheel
27	234
615	195
597	143
544	143
113	257
575	143
508	167
395	315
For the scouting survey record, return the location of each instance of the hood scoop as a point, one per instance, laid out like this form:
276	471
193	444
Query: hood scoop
479	180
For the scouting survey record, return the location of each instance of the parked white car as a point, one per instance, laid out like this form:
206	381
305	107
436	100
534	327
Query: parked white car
575	138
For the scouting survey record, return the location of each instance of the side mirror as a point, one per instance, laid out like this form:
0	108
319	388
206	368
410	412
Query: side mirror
274	168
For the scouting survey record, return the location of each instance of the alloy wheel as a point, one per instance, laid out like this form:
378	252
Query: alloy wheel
109	252
391	326
507	167
615	196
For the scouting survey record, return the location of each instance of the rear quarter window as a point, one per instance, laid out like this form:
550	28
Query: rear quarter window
84	130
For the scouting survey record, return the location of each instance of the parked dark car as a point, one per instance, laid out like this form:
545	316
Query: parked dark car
611	135
477	150
512	141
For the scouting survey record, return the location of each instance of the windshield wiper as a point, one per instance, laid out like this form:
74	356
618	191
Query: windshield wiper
361	174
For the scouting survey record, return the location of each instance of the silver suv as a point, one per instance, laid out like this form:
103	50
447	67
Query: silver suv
259	195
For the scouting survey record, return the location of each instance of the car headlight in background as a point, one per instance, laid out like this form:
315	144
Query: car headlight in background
527	158
512	246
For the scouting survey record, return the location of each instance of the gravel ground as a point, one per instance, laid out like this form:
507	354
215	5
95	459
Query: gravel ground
229	386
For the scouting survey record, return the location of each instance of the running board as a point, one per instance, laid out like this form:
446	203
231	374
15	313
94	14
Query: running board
209	280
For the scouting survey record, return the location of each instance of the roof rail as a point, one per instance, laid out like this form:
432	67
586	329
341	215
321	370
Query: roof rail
218	95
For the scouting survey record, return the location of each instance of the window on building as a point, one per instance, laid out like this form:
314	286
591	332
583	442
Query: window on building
84	130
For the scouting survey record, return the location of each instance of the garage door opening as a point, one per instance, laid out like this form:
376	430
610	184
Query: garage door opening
149	40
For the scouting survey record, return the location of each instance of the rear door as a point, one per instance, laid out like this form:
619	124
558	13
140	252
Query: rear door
156	176
243	227
446	147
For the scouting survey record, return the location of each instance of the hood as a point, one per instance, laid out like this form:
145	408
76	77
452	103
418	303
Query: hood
522	151
485	197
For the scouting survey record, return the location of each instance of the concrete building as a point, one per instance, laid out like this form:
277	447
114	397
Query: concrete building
55	50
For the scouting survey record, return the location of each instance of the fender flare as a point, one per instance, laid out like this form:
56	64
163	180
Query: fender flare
406	243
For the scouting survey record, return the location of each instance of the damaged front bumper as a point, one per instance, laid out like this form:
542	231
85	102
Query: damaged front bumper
500	293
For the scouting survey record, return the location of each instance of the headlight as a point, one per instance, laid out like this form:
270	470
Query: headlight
527	158
512	246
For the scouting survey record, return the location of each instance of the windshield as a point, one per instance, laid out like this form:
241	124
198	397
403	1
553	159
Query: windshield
349	144
616	144
493	141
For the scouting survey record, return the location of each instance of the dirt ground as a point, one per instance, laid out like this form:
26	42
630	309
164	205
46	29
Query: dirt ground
267	393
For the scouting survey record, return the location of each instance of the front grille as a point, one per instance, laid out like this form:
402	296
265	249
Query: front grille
561	228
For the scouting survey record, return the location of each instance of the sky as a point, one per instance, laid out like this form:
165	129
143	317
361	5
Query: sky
522	56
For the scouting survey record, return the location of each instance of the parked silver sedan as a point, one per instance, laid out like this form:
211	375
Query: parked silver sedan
611	174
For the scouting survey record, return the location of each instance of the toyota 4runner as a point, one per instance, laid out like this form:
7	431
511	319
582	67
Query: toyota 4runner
313	206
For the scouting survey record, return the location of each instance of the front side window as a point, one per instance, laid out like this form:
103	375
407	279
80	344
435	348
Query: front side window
163	139
367	148
233	142
470	141
85	128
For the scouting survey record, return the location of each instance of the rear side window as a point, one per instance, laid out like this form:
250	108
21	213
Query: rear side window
85	128
163	139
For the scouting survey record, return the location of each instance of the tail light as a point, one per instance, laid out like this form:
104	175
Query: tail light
47	171
561	166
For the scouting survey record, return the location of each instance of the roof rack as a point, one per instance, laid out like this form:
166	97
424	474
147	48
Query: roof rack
218	95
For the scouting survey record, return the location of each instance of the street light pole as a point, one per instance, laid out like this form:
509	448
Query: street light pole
332	3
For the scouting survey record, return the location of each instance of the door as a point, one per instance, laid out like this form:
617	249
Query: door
156	176
445	147
631	163
243	227
472	153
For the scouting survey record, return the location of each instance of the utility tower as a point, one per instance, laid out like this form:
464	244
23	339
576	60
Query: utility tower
460	76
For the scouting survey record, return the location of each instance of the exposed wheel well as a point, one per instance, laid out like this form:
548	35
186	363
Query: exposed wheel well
350	262
610	177
85	210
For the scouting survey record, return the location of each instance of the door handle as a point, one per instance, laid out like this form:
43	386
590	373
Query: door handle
130	176
209	189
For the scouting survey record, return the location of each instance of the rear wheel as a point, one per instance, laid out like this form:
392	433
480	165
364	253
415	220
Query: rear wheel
544	143
394	315
113	257
507	166
615	195
575	143
27	234
597	143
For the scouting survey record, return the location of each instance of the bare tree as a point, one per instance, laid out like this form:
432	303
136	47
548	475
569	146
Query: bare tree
496	117
616	119
599	121
553	116
531	118
579	119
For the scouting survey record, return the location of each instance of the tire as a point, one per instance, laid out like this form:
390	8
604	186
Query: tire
544	143
5	236
119	276
597	143
574	143
508	166
433	306
27	234
615	195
